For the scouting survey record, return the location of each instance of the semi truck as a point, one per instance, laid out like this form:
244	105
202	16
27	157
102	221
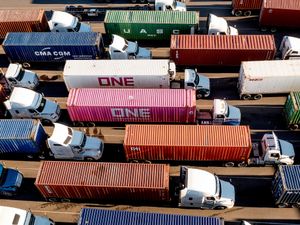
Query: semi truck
246	7
289	48
86	105
16	216
158	25
132	74
89	216
220	50
27	137
292	110
279	14
26	103
35	20
227	145
286	186
132	182
268	77
11	181
43	47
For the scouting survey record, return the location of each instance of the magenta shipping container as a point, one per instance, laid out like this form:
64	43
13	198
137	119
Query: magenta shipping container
245	7
187	142
132	105
280	13
107	181
220	50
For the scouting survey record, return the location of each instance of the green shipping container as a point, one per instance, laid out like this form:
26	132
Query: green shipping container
150	25
291	110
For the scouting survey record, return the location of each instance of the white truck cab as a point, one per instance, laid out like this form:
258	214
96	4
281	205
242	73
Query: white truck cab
219	26
227	114
19	77
120	48
201	189
169	5
193	80
273	151
290	48
67	143
25	103
16	216
65	22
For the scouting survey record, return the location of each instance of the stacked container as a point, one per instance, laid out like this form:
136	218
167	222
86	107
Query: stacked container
150	25
132	105
187	142
105	181
220	50
291	110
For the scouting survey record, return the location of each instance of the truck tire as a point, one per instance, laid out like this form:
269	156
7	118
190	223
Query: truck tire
199	95
293	126
257	97
220	207
229	164
133	1
242	164
89	159
52	200
273	29
143	1
79	17
26	65
247	13
282	205
238	13
46	121
65	200
246	97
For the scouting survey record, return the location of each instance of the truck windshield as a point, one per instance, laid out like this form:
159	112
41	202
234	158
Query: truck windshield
3	173
77	28
20	75
218	187
83	141
42	105
32	220
196	81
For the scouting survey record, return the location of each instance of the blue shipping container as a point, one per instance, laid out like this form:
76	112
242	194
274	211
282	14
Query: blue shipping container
90	216
52	47
286	185
22	136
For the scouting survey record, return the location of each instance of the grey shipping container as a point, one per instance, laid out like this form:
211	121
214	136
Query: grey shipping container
22	136
150	25
52	47
90	216
286	186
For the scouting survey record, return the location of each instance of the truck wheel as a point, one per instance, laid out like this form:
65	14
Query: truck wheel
257	97
143	1
52	200
46	121
79	124
79	17
65	200
273	29
199	95
296	205
91	124
133	1
293	126
242	164
26	65
89	159
229	164
247	13
220	207
263	29
238	13
282	205
246	97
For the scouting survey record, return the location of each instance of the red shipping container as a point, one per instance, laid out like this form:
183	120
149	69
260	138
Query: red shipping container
280	13
245	6
187	142
22	20
132	105
107	181
220	50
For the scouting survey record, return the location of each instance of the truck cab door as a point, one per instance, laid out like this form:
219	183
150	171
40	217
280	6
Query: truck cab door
209	202
219	119
32	112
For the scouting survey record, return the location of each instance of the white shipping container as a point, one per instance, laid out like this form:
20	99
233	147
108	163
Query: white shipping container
268	77
118	73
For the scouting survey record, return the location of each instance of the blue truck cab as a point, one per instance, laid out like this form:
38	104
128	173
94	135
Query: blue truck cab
10	181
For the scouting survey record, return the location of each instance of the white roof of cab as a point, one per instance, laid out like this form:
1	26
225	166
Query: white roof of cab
63	19
23	97
12	69
12	216
294	42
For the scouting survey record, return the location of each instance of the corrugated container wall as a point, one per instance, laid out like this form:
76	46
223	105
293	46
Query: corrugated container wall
132	105
52	47
246	4
107	181
280	13
286	185
187	142
90	216
22	136
220	50
291	108
22	20
150	25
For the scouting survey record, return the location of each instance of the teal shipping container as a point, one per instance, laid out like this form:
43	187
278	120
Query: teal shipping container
291	110
150	25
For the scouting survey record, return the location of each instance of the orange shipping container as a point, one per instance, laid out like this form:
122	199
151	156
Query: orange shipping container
187	142
110	181
22	20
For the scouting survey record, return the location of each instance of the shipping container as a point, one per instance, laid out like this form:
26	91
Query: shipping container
117	74
150	25
286	186
22	136
104	181
90	216
220	50
52	47
279	13
292	110
268	77
22	20
187	142
245	7
132	105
